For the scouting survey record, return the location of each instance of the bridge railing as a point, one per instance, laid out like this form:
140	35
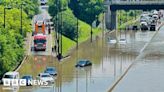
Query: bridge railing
134	2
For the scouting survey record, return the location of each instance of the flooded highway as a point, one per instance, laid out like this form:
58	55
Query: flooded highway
147	73
109	62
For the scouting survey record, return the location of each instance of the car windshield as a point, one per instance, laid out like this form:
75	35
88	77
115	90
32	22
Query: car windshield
50	69
8	76
39	41
81	62
45	75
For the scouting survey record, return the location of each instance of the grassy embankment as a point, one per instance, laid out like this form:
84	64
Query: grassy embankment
84	35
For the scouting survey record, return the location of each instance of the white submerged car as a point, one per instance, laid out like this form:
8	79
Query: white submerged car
46	77
7	83
10	75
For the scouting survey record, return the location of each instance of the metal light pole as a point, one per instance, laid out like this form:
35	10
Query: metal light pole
91	25
57	32
4	16
60	25
56	29
61	50
91	32
21	23
77	42
5	7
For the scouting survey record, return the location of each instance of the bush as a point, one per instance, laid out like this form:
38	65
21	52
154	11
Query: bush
69	25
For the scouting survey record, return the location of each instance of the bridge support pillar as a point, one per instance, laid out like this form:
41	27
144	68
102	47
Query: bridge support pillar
110	19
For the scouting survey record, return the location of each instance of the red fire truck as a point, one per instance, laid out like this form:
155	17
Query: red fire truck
39	33
40	42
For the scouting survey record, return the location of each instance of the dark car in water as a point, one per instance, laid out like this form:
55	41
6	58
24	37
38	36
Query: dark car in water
83	63
51	70
28	78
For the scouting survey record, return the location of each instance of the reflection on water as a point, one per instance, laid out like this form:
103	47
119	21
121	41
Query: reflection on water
109	62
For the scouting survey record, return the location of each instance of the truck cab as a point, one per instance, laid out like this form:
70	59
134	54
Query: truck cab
40	42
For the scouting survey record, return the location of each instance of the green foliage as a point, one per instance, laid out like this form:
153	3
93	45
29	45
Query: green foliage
11	41
69	25
30	7
84	34
56	6
11	51
126	18
87	10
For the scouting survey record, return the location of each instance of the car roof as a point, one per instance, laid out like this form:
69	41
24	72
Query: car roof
84	60
44	74
11	73
50	67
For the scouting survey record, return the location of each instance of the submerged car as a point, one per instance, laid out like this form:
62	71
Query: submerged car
46	77
122	41
83	63
28	78
51	71
10	75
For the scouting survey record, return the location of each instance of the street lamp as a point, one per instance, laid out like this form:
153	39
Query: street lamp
60	28
91	32
5	7
21	29
57	30
77	40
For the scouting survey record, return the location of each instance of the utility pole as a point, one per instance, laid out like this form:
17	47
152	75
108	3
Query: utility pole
5	7
91	24
77	38
61	30
4	16
21	21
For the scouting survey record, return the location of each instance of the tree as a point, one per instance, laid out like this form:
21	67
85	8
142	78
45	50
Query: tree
11	41
69	25
87	10
59	8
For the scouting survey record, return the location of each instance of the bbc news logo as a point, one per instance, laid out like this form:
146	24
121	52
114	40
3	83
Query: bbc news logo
23	82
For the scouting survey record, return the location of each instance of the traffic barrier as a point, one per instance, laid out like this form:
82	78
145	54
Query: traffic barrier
21	63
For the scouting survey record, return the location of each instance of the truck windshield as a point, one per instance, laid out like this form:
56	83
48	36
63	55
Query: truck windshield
9	76
39	41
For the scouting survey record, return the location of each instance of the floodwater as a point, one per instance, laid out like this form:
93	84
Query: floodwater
109	62
148	71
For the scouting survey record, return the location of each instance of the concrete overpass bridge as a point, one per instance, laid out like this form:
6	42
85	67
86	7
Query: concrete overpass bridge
114	5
